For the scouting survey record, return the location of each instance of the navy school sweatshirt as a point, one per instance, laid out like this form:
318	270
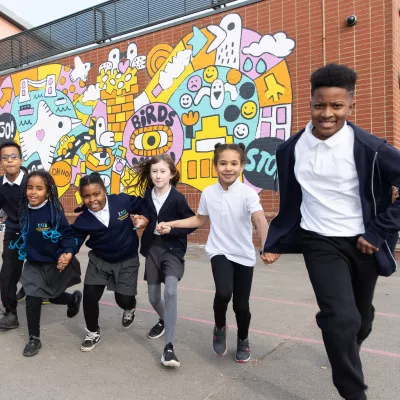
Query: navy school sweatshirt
119	241
40	249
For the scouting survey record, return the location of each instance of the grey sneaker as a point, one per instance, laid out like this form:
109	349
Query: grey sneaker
219	341
92	339
9	321
128	317
243	351
32	347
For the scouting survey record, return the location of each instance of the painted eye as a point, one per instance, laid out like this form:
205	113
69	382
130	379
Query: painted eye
151	140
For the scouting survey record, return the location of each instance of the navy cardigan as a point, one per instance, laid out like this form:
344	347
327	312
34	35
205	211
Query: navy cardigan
378	169
175	207
119	241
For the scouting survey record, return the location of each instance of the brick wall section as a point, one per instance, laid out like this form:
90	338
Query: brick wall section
372	47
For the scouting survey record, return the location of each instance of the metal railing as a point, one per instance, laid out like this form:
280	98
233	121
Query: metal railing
94	25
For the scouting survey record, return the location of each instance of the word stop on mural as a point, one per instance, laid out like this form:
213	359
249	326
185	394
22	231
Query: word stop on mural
221	83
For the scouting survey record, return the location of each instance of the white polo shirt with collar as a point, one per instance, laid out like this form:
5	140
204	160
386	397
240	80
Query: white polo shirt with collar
159	202
16	182
231	230
326	172
103	215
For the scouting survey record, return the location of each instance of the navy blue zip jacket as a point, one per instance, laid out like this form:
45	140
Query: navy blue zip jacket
378	169
119	241
40	249
175	207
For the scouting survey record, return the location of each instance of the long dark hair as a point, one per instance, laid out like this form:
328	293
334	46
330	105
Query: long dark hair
56	211
143	171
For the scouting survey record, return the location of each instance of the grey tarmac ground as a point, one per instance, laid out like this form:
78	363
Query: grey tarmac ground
288	358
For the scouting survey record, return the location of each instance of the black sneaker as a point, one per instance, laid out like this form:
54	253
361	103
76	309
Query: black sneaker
157	330
243	351
169	359
219	341
32	347
127	318
9	321
74	308
21	294
92	339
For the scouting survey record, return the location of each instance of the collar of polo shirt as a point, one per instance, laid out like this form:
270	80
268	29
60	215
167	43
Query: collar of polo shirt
312	141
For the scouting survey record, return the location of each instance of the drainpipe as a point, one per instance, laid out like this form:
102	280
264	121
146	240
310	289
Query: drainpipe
323	33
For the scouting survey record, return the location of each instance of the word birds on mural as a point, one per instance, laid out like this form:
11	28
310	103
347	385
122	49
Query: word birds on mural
221	83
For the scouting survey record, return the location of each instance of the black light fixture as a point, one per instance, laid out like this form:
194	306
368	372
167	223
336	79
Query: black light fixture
351	20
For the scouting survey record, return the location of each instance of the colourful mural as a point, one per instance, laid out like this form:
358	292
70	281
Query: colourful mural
221	83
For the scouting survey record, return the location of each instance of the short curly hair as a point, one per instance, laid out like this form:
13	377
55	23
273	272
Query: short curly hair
333	75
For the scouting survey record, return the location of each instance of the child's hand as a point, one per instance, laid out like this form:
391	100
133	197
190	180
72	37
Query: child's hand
366	247
163	229
269	258
63	261
140	221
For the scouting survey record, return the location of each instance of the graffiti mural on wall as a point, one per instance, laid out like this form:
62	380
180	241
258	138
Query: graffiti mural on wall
221	83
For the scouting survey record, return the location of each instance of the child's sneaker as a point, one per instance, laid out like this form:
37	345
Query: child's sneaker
169	359
92	339
243	351
219	341
32	347
73	309
157	330
127	318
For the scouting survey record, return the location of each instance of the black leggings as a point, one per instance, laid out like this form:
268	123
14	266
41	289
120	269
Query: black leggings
34	306
91	297
232	278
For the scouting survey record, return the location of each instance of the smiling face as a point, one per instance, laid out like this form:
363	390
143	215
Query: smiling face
11	162
36	191
228	167
210	74
249	109
241	131
186	101
330	107
93	196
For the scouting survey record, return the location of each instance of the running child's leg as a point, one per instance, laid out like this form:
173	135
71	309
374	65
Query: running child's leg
33	309
91	297
128	304
171	307
243	277
158	304
223	274
72	300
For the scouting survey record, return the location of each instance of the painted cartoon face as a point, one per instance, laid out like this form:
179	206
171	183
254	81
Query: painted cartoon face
249	109
210	74
241	131
186	101
217	94
194	83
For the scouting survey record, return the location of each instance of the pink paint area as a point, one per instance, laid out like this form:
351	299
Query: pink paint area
123	66
25	112
40	134
267	112
280	134
154	114
68	84
281	115
265	129
248	37
5	89
99	111
157	90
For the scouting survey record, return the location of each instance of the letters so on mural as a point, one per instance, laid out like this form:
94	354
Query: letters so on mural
221	83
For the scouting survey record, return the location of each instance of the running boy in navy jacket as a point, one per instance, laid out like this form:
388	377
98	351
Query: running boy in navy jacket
335	184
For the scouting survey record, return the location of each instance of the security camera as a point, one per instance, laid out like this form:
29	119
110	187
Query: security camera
351	20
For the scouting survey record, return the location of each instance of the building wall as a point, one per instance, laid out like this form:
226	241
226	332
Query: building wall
240	76
7	29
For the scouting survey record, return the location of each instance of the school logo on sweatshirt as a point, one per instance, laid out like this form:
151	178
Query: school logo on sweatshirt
122	215
42	226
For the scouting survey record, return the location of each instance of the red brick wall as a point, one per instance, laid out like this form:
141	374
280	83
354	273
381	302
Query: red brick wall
372	48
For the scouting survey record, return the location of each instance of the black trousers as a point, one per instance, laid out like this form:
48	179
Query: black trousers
34	307
91	297
10	273
232	279
344	281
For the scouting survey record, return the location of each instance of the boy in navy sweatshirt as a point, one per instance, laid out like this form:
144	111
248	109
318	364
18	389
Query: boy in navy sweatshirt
335	187
10	194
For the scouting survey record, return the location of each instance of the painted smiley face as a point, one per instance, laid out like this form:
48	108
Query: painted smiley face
194	83
210	74
186	101
241	131
249	109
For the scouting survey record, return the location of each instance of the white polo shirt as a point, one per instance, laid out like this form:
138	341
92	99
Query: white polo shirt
159	202
18	181
103	215
326	172
231	230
